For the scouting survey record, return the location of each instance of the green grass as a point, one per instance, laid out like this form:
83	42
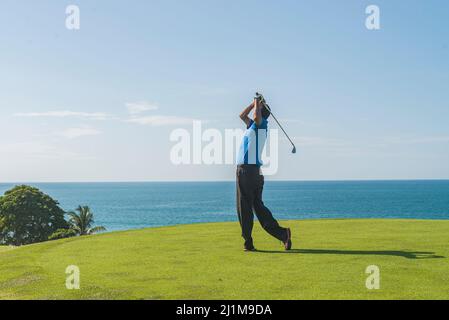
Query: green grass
207	262
5	248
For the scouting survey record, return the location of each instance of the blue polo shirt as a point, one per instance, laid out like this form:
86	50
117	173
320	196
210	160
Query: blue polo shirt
253	142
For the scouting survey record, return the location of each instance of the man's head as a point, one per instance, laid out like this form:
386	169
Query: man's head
265	112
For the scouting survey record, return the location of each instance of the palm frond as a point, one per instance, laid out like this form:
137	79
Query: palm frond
96	229
82	221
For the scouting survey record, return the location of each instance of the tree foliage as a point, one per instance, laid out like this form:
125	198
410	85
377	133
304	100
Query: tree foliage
62	234
27	215
83	221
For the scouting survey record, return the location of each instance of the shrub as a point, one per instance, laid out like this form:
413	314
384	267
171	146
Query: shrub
62	234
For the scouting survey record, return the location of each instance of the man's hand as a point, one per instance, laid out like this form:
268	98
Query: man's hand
259	97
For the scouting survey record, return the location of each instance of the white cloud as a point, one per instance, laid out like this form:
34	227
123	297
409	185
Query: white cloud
319	142
210	91
160	120
297	122
139	107
136	108
73	133
35	150
377	142
417	140
65	114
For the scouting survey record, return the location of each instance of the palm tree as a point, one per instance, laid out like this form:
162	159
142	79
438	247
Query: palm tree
83	221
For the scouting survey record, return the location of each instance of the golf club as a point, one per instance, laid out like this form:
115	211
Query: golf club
262	100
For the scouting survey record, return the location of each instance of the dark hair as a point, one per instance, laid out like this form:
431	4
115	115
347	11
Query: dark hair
265	112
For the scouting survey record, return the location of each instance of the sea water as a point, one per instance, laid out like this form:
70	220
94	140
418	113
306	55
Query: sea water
122	206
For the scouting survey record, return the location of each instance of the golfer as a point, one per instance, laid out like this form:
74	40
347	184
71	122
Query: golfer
250	180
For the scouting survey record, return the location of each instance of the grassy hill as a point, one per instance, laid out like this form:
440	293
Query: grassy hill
5	248
206	262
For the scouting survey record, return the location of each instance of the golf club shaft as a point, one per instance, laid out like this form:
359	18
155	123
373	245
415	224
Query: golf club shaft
280	126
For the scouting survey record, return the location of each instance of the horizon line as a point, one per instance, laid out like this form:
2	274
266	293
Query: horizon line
229	180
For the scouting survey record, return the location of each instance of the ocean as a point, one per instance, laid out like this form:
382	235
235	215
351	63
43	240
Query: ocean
123	206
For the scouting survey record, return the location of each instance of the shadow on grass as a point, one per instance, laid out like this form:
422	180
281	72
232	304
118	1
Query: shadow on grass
395	253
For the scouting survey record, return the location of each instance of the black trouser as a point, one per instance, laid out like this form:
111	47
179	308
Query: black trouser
249	200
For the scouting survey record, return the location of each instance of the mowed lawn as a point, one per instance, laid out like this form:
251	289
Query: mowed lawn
206	261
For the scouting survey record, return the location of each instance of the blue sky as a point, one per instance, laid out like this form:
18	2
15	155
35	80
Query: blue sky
360	104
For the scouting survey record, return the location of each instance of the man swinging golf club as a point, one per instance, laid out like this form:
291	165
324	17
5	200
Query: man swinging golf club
250	180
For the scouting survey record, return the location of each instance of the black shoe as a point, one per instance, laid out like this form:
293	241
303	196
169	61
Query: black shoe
250	249
288	241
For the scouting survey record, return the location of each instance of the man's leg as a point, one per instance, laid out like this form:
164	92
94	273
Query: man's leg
245	200
265	216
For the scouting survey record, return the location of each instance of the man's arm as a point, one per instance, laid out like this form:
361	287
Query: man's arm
245	114
258	114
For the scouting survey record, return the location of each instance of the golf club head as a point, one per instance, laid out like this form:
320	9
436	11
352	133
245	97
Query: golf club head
294	150
260	97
